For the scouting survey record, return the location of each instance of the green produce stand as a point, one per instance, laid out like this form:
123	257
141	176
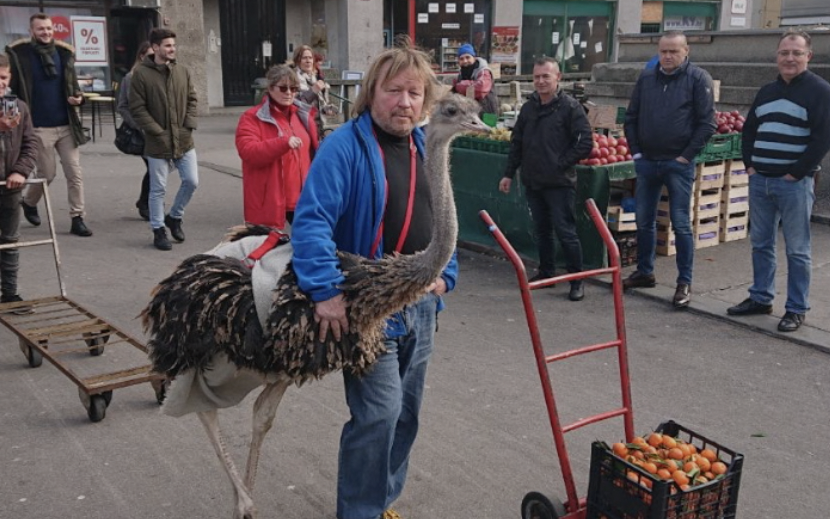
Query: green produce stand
475	177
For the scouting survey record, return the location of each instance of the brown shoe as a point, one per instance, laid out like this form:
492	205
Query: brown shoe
682	296
639	280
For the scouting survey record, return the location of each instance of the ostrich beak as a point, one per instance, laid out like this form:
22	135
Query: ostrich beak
475	124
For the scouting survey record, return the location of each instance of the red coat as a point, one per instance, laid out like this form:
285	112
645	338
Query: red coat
272	173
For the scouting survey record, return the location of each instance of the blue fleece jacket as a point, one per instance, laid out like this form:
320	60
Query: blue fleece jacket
341	208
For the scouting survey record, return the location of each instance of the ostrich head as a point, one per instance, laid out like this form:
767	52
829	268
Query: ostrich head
454	114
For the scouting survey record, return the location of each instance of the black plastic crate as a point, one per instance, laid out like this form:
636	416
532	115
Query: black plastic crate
619	490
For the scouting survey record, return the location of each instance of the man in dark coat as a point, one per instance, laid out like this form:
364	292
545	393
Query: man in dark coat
550	136
43	76
670	118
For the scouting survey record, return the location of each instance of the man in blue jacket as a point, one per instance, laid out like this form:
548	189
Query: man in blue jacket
358	198
786	135
670	118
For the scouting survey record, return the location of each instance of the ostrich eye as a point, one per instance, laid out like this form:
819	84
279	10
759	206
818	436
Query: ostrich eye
451	110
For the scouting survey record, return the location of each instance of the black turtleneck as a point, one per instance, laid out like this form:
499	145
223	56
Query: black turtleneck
397	163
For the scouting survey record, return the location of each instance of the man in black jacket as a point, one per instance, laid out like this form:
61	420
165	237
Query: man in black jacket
43	75
670	118
551	135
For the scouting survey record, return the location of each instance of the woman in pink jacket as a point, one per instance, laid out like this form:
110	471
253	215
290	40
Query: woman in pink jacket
276	141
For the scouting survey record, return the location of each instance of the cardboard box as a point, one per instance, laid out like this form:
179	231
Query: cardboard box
603	116
619	220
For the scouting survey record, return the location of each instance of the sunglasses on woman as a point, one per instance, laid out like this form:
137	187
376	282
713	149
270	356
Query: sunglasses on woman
286	88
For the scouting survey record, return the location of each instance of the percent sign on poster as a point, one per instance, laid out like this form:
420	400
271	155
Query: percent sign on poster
89	35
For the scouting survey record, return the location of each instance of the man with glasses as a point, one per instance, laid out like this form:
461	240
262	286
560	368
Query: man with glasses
669	119
785	137
163	104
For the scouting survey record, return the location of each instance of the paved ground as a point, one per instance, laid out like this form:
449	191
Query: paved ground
485	438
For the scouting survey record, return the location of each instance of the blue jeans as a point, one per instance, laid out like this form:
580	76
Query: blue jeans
384	405
552	211
679	179
159	170
774	200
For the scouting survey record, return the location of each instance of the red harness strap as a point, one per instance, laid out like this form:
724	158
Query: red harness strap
274	240
409	204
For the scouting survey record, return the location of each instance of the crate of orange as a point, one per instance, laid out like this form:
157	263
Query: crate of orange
673	473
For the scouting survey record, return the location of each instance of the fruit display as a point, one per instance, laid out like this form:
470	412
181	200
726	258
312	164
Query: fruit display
670	459
729	122
607	150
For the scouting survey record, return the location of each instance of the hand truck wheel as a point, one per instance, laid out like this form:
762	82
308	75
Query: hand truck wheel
33	356
536	506
96	344
95	405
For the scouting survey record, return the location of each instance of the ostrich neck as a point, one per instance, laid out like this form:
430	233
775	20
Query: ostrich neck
444	221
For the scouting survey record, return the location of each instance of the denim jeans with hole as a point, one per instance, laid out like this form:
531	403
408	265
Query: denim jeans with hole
773	200
679	179
552	211
384	405
160	169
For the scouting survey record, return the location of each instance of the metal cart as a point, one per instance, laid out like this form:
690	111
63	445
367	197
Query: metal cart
64	332
536	505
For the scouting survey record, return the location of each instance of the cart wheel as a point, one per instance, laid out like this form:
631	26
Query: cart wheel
96	345
536	506
33	356
107	397
97	408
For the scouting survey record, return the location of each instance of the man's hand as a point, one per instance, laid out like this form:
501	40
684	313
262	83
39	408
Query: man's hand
8	123
331	314
682	160
294	142
438	287
790	178
75	101
504	185
15	180
750	171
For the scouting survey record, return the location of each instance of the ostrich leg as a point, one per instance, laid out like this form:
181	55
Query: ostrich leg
265	409
244	503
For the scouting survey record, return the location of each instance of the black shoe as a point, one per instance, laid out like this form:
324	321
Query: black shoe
143	211
175	226
20	310
638	280
749	307
682	295
791	322
540	276
160	239
577	293
79	228
31	214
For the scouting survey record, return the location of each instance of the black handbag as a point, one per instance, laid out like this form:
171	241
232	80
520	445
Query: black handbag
129	140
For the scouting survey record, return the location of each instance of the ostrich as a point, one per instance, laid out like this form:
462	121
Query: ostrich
206	310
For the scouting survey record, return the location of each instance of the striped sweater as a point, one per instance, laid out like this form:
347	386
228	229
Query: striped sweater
788	127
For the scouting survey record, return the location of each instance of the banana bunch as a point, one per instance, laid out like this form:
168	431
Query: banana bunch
500	134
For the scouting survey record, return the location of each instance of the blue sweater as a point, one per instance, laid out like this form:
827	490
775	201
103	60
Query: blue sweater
49	100
341	208
787	130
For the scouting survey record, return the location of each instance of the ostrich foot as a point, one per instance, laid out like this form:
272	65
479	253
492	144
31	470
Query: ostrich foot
244	510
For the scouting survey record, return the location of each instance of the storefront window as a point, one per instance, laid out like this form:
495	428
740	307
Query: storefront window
442	26
578	34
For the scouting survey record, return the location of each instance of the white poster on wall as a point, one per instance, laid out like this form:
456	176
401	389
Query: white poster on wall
89	36
738	6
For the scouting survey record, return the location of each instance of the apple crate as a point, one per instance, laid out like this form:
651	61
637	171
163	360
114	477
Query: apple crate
706	231
618	489
734	200
665	240
620	220
707	204
709	175
734	226
736	174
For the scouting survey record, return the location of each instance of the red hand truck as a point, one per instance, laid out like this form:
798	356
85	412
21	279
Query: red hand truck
535	505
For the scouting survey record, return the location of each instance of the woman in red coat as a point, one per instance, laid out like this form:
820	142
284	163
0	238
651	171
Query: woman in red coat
276	141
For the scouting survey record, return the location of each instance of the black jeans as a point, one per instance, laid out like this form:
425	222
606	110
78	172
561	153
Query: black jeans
552	211
144	196
9	223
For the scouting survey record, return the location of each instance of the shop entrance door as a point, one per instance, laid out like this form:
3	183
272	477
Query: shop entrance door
253	39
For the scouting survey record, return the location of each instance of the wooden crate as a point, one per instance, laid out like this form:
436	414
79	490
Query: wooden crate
734	200
706	232
707	204
709	175
663	209
665	245
620	220
734	226
736	174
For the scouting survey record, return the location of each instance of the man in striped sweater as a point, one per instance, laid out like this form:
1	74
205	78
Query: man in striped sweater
786	135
